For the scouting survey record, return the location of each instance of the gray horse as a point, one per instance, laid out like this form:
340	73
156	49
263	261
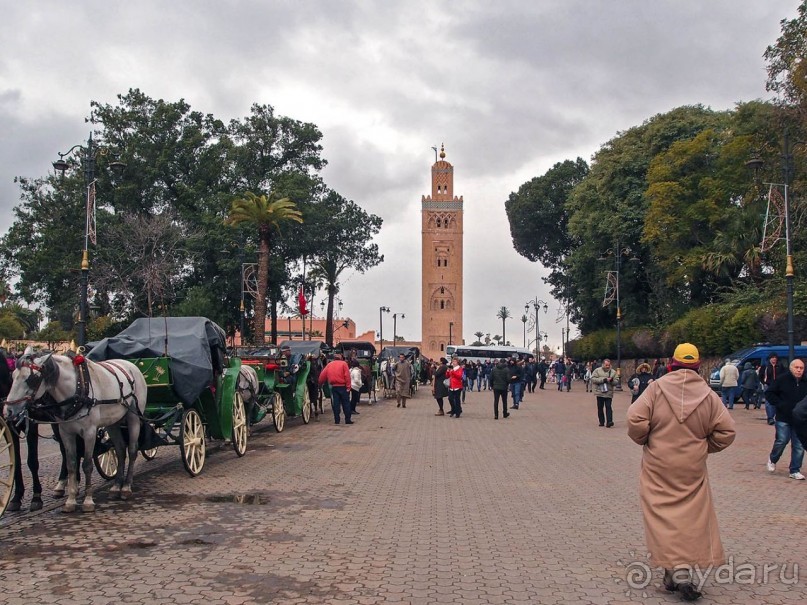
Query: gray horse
82	396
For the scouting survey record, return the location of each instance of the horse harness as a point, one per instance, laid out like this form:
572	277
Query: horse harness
47	409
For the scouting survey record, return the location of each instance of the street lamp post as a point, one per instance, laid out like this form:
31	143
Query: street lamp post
617	252
395	326
536	304
756	164
381	311
86	156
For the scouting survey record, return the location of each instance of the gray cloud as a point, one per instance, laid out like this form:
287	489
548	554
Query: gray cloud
511	87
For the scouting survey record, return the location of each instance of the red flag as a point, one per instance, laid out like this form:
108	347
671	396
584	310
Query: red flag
301	302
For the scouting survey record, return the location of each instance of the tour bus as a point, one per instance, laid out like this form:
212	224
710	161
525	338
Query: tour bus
485	352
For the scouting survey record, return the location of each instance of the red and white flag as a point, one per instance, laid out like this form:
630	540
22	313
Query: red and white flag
301	302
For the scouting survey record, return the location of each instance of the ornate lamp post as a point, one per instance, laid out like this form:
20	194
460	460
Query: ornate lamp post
536	304
756	164
86	155
618	253
381	311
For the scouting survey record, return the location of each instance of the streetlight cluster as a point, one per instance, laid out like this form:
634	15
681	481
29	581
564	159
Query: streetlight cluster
618	253
86	156
381	311
756	164
536	305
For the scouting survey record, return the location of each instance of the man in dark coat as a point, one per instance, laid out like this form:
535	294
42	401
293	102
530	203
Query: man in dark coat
500	380
767	375
785	392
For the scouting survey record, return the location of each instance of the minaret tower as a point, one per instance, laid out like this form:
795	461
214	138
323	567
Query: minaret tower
442	262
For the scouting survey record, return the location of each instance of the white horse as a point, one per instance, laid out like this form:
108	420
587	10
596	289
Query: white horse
82	396
248	387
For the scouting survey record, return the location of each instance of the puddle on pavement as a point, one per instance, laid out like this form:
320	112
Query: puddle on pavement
250	499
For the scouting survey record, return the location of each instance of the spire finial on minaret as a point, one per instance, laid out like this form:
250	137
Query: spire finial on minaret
442	151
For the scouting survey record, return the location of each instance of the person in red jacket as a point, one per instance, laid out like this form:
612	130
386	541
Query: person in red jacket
337	375
455	385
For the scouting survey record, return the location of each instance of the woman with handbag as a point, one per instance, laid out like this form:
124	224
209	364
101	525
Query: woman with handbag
439	385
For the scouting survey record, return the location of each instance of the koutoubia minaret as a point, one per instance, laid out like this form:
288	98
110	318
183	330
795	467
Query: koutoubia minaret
442	262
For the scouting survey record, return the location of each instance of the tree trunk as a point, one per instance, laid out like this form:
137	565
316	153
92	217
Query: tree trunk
263	283
273	320
504	334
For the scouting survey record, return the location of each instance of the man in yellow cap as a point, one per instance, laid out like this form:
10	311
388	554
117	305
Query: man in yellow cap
679	420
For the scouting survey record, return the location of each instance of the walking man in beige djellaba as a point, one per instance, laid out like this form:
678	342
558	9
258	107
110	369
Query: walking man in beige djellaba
679	420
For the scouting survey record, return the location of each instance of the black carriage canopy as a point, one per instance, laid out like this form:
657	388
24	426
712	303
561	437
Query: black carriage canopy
364	349
393	352
195	347
305	347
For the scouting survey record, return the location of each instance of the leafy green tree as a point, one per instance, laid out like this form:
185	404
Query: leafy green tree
11	327
787	68
53	333
266	214
344	231
539	216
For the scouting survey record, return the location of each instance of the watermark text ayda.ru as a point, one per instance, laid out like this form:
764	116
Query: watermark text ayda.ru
639	574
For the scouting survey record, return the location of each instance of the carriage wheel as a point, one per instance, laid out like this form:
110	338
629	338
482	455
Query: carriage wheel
240	428
106	463
306	407
149	454
192	442
8	464
278	413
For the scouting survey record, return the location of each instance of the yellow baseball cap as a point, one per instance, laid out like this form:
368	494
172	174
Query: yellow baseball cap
687	355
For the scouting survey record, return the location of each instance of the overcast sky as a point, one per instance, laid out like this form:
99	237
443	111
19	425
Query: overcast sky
510	87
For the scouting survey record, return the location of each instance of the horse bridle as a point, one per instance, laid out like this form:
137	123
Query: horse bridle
33	381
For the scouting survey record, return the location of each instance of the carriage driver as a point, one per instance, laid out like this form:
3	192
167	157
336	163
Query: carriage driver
288	374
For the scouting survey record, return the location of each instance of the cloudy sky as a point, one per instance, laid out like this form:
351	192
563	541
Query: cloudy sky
509	86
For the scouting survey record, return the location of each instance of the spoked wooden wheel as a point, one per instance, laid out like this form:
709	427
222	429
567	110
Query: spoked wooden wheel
150	454
306	406
106	463
240	428
8	464
192	442
278	413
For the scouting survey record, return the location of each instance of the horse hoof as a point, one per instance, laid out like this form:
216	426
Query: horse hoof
114	493
125	494
36	504
88	507
13	506
69	508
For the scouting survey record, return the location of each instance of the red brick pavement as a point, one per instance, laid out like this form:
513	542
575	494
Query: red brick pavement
406	507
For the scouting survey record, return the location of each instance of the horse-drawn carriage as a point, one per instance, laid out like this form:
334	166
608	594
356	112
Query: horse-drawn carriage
191	385
364	354
277	380
386	362
8	465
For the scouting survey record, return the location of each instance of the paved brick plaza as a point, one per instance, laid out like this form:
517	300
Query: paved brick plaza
406	507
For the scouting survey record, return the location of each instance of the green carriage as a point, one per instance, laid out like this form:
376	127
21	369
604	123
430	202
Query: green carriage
364	353
192	388
283	381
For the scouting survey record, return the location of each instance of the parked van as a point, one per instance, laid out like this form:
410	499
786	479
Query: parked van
758	356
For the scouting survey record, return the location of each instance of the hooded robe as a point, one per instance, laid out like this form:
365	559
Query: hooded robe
679	420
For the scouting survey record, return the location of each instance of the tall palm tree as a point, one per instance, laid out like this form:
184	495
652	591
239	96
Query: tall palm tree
479	335
503	314
267	214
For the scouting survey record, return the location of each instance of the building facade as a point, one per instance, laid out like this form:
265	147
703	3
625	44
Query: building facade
441	273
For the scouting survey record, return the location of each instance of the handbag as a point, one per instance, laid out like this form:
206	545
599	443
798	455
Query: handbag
447	382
